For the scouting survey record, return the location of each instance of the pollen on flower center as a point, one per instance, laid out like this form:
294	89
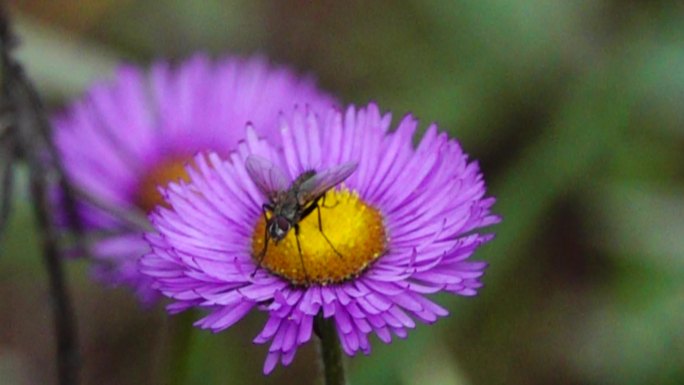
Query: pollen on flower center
355	230
147	195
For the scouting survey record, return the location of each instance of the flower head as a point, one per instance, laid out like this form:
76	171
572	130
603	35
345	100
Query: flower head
126	138
402	225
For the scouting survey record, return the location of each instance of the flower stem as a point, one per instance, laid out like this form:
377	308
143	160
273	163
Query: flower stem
331	352
178	347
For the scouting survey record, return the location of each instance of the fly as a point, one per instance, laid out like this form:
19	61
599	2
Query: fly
291	202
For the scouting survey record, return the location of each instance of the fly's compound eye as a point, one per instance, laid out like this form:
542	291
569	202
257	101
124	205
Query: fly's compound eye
279	228
283	225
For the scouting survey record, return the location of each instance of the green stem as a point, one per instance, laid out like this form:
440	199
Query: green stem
179	339
331	352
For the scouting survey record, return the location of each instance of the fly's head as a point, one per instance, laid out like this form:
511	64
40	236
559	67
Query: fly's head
278	227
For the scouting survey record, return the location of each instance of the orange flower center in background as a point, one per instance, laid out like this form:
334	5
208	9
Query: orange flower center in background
355	230
171	170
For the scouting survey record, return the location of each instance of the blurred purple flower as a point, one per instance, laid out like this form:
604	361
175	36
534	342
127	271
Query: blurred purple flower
403	225
125	138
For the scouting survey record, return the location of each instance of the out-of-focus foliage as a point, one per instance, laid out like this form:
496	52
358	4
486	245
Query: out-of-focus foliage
575	110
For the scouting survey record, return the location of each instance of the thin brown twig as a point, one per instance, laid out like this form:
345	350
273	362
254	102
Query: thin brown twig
29	138
7	148
68	359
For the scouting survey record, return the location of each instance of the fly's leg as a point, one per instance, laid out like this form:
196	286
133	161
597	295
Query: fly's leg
315	206
337	202
320	228
262	254
301	257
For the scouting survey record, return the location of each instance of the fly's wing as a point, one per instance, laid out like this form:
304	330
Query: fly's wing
323	181
268	177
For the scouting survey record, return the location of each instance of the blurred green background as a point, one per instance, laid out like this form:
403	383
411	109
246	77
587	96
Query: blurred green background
575	110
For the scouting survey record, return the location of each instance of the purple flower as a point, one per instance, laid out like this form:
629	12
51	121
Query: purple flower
125	138
401	226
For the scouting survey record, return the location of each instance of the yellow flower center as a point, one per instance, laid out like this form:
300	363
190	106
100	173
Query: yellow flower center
357	238
172	170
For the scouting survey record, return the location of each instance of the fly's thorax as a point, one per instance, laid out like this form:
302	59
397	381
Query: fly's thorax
303	177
